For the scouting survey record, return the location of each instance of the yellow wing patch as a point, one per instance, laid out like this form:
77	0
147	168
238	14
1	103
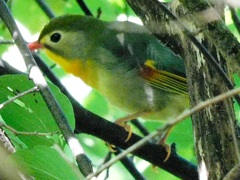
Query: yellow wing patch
150	63
163	80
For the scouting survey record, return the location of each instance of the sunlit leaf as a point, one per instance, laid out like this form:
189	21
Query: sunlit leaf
30	113
46	163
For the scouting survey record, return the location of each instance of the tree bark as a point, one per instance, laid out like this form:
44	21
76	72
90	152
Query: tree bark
215	127
216	142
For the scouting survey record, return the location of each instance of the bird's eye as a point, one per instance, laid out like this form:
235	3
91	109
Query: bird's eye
55	37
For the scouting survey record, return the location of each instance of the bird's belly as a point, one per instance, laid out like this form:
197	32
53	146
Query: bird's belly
133	95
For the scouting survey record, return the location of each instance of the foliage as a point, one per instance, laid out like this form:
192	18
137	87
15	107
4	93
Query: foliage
48	157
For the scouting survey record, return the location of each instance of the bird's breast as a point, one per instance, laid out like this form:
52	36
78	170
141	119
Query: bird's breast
86	70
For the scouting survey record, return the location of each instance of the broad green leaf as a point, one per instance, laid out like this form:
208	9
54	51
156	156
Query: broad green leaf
43	162
30	113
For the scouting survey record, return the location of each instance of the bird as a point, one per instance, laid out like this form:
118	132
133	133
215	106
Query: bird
132	69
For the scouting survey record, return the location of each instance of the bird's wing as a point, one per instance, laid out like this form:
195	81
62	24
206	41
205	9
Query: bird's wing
163	80
135	47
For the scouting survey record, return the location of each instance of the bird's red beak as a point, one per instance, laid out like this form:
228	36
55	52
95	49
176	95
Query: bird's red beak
35	45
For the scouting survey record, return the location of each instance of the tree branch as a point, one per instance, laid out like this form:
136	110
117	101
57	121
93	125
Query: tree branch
5	68
7	144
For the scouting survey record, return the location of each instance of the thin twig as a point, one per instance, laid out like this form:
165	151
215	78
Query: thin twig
6	68
106	159
82	160
7	42
160	131
140	127
32	90
45	8
130	166
84	7
123	154
235	18
99	13
16	132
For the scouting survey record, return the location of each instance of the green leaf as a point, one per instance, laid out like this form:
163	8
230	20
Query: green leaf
43	162
30	113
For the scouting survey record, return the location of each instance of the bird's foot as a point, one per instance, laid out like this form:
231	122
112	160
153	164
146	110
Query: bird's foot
123	122
111	147
162	142
127	127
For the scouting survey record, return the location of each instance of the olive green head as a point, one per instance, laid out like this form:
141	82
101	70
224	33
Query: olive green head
69	36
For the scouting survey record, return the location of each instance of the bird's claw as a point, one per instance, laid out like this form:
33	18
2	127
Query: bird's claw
127	127
168	150
111	147
162	142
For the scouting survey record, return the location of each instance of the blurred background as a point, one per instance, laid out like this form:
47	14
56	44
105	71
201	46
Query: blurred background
30	19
